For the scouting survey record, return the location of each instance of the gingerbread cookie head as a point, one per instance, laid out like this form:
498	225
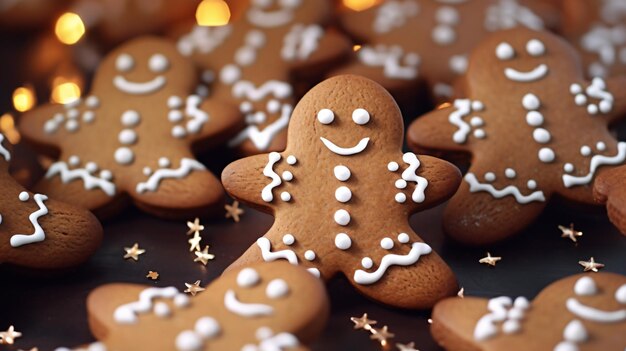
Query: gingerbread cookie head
581	312
253	308
534	128
342	193
133	134
37	232
609	188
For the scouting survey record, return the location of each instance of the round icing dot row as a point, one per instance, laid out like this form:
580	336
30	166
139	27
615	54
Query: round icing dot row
386	243
343	194
342	173
535	119
342	217
124	156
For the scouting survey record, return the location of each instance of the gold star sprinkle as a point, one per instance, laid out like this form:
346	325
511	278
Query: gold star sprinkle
233	211
194	288
194	243
406	347
490	260
591	265
461	293
152	275
570	233
133	252
381	335
195	227
363	322
203	256
8	337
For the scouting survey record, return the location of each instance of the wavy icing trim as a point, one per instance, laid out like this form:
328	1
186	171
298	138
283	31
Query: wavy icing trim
67	175
268	255
463	108
187	165
596	162
262	138
417	250
203	39
4	152
276	88
511	190
127	313
301	42
268	171
38	235
410	175
390	59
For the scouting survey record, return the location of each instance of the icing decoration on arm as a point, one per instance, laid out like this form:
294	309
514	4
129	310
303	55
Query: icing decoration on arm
257	15
268	255
205	329
267	192
596	162
396	64
507	14
409	175
502	309
358	148
394	14
197	117
70	117
103	181
606	43
270	342
187	165
596	90
301	42
38	235
245	89
511	190
4	152
157	63
463	108
417	250
203	39
127	314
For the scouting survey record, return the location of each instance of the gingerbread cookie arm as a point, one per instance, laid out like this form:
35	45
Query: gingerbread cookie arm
616	87
454	320
610	188
47	126
217	121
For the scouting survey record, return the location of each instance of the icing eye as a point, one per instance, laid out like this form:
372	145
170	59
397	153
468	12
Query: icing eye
325	116
124	63
535	47
158	63
289	3
505	51
585	286
620	294
360	116
247	278
276	289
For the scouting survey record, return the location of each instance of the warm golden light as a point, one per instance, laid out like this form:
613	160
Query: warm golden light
359	5
69	28
65	91
444	105
7	127
356	48
212	13
24	98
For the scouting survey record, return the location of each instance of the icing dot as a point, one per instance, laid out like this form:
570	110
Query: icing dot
360	116
342	217
367	262
504	51
161	309
546	155
601	146
592	109
248	277
575	332
276	289
58	118
188	340
511	326
309	255
181	300
477	121
73	160
343	194
531	102
443	34
458	64
510	173
50	126
287	176
531	184
401	184
179	132
158	63
534	118
447	15
147	171
273	106
386	243
566	346
480	134
580	99
127	137
403	238
400	198
175	116
106	174
585	286
288	239
92	101
541	135
392	166
207	327
124	155
124	63
130	118
605	106
245	107
285	196
89	116
230	74
91	167
585	150
24	196
490	176
535	47
174	102
343	241
325	116
342	173
73	113
71	125
164	162
263	333
575	89
620	294
477	105
291	159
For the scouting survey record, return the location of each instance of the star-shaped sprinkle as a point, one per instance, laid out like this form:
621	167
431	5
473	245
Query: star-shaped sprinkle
153	275
233	211
570	233
8	337
490	260
363	322
381	335
194	288
133	252
195	227
406	347
194	243
204	256
461	293
591	265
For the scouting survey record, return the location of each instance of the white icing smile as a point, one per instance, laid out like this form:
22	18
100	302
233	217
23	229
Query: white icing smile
537	73
358	148
245	309
134	88
593	314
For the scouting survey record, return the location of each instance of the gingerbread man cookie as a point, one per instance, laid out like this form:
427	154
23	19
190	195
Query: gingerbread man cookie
40	233
253	63
534	127
342	193
406	41
267	306
133	135
583	312
610	189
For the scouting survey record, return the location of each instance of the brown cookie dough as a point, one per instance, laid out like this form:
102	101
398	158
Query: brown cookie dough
610	189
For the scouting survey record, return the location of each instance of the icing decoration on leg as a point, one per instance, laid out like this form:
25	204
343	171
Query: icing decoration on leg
268	255
4	152
38	235
396	64
417	250
127	314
